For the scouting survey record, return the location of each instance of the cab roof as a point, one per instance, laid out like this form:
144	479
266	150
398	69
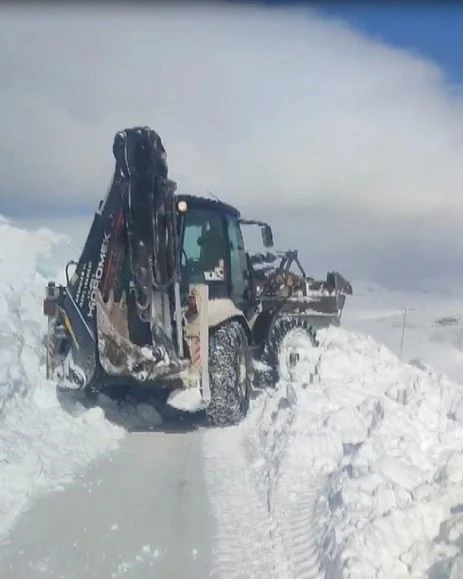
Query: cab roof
208	203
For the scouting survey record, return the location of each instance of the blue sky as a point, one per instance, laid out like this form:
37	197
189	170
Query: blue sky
433	31
430	30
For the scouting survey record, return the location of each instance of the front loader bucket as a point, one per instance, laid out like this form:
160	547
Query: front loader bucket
320	312
326	298
321	301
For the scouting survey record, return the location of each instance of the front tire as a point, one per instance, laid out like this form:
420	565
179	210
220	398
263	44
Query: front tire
229	375
279	330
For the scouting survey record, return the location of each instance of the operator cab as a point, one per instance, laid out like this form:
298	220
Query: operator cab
212	249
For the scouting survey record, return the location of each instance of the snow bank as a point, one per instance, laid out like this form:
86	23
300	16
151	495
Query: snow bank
41	445
25	257
360	461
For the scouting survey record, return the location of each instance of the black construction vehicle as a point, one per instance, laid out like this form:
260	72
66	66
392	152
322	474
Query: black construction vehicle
166	296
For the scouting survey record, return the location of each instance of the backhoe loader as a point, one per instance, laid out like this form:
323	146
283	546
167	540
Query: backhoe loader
166	296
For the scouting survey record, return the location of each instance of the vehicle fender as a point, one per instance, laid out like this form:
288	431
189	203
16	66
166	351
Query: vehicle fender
221	310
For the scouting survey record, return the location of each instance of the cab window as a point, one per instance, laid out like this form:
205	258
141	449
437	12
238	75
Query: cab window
204	249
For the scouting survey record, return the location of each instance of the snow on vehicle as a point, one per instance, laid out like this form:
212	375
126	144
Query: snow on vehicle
165	294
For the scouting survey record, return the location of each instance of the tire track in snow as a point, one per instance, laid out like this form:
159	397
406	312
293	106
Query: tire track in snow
300	509
300	477
268	480
301	532
271	517
248	542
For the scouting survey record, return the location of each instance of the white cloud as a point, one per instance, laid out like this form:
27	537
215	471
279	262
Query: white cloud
251	103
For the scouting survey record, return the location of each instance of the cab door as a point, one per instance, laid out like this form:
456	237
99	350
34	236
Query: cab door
238	264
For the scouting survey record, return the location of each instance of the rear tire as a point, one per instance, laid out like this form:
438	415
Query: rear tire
229	375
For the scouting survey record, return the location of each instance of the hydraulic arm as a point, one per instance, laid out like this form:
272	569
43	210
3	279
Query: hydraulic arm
119	303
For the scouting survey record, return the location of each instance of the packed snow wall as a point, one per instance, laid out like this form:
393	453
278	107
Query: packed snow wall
42	445
27	259
351	467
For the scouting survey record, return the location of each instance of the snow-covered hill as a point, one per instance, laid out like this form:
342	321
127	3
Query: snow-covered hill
351	467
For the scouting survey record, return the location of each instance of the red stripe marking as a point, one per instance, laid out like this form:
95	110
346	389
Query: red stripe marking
195	350
108	272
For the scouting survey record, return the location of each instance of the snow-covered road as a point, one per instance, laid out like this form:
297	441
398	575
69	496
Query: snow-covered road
142	512
352	467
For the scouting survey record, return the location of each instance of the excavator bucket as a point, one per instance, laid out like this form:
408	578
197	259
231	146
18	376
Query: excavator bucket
121	357
115	310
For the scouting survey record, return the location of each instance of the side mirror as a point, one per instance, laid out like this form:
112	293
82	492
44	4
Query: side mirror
267	236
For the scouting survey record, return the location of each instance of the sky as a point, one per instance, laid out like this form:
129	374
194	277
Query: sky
429	30
342	126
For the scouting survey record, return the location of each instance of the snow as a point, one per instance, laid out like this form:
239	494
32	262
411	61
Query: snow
351	467
42	446
434	325
356	459
188	400
144	557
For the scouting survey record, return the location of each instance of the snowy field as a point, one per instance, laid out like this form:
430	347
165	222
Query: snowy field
352	467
